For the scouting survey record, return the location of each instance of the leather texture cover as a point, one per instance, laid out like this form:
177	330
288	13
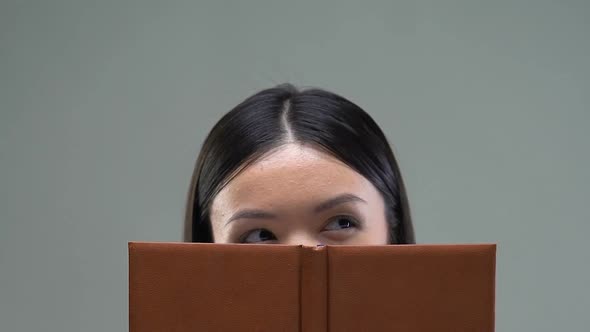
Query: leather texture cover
412	288
185	287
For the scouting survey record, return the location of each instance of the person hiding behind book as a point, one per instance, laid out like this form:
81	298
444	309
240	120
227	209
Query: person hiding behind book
290	166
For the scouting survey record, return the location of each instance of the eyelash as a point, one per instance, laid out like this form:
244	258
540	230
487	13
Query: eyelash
353	221
243	238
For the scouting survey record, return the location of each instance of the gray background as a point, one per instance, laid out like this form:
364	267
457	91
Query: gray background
104	105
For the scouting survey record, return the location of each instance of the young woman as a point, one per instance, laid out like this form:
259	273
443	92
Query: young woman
297	167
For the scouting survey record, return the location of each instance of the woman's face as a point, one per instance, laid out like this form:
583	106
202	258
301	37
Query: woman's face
299	195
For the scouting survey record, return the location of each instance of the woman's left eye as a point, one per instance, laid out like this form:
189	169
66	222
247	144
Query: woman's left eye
341	222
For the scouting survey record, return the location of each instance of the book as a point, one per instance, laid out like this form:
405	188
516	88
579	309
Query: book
185	287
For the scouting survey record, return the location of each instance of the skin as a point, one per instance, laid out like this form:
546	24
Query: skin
299	195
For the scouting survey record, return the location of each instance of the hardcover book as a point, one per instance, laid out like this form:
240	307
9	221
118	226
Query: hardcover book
184	287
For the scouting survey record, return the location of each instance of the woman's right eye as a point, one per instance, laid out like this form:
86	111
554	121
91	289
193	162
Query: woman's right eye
257	236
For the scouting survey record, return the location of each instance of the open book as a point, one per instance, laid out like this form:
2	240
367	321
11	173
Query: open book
184	287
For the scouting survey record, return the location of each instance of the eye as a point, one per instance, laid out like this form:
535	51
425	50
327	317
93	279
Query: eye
341	223
258	235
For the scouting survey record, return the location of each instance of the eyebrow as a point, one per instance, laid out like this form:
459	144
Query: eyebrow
340	199
251	214
326	205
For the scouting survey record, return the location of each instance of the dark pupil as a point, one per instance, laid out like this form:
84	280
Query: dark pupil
265	235
344	223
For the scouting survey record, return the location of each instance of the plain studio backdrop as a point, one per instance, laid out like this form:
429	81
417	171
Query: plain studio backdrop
104	106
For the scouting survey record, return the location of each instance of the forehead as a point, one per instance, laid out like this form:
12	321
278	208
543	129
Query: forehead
292	174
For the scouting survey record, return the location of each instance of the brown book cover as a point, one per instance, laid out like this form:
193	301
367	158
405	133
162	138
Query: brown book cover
184	287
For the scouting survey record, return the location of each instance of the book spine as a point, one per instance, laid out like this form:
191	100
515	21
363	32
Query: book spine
314	289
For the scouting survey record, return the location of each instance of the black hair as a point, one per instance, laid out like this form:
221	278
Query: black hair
283	114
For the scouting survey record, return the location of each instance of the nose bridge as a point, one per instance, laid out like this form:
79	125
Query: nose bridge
302	238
